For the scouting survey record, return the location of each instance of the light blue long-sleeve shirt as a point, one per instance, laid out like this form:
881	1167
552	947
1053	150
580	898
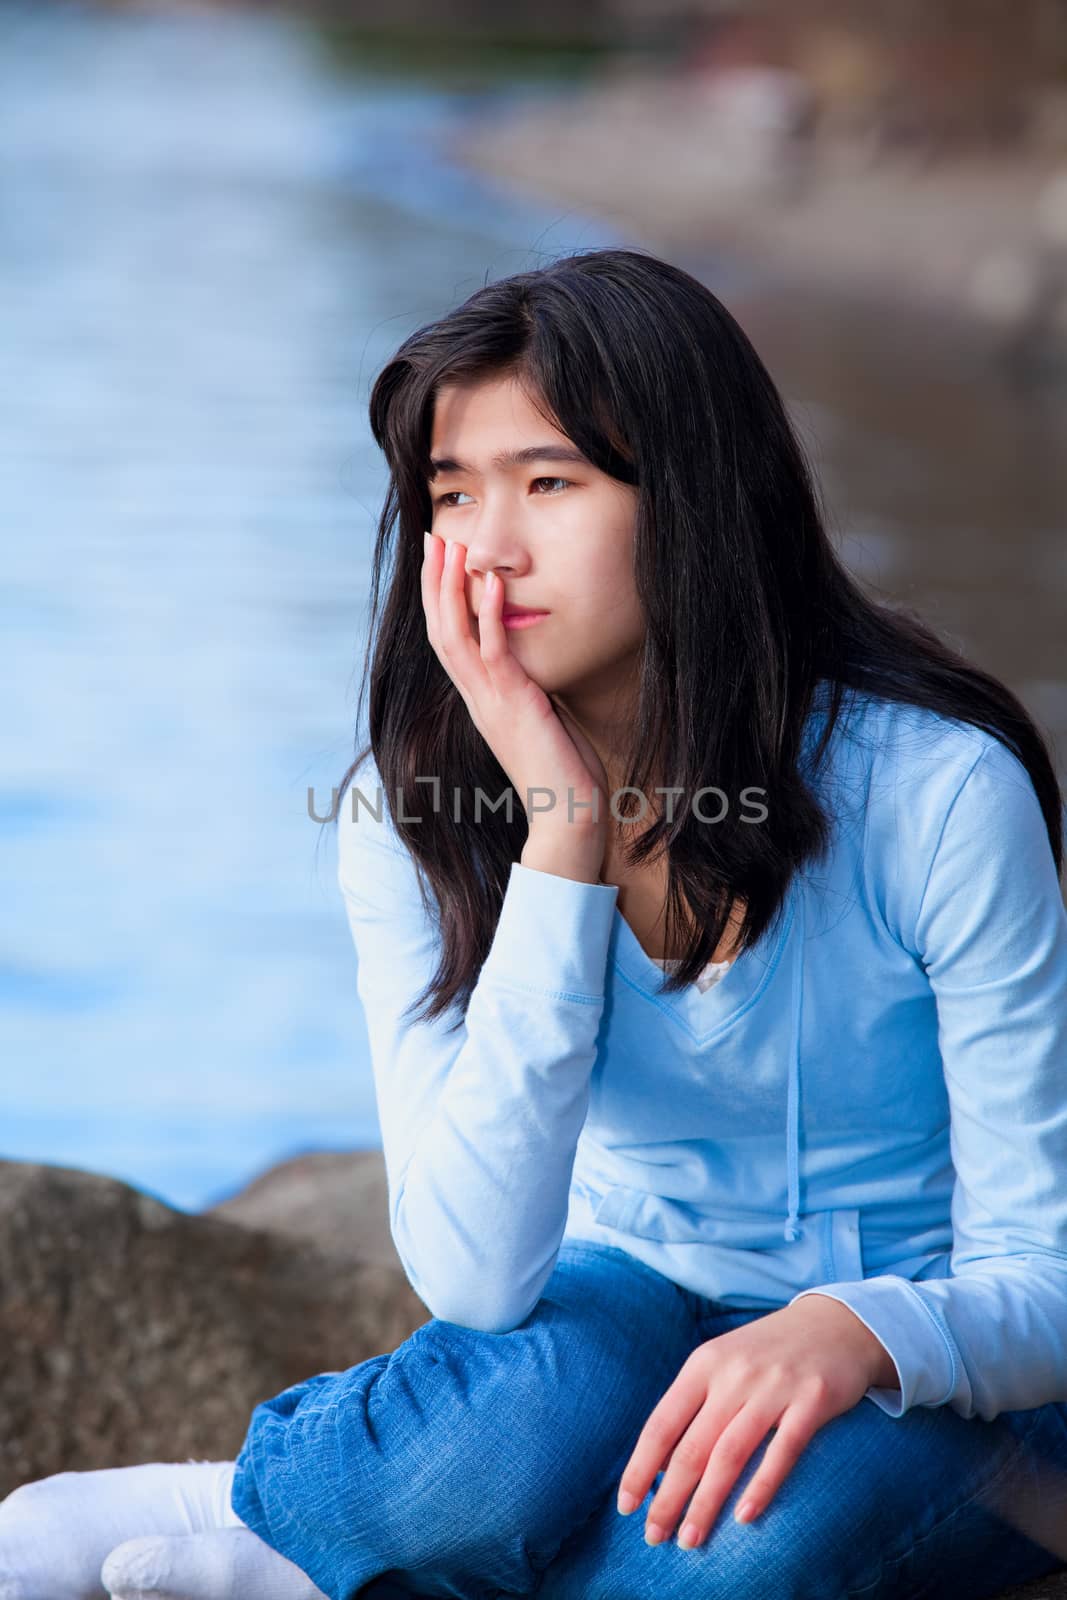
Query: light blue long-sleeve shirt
870	1104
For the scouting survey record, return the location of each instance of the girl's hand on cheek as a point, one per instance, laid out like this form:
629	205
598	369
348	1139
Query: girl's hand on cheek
792	1370
512	713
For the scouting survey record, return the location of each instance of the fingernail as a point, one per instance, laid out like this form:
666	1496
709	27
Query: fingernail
627	1503
744	1511
689	1535
654	1534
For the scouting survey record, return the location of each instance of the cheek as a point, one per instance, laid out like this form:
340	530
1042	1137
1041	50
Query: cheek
611	608
593	577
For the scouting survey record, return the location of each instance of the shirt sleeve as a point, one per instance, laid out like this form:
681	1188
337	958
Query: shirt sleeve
480	1121
991	932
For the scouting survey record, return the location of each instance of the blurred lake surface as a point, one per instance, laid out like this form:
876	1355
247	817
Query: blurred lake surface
214	231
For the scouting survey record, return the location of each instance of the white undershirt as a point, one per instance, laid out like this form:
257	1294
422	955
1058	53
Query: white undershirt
706	979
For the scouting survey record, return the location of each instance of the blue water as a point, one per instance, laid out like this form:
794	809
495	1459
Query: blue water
212	239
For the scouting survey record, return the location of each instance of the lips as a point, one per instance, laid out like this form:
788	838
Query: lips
523	611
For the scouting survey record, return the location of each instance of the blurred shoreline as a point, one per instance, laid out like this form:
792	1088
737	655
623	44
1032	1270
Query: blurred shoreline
710	165
821	149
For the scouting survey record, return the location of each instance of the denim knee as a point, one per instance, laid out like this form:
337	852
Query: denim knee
525	1432
465	1458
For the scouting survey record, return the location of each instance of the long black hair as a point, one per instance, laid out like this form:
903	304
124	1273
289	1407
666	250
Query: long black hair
748	608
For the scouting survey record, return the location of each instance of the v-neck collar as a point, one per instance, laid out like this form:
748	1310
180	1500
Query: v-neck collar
705	1014
708	1013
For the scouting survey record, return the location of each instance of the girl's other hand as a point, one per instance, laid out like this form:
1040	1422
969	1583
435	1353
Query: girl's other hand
792	1370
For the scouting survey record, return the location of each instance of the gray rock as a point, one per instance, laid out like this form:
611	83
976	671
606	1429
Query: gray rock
135	1332
335	1199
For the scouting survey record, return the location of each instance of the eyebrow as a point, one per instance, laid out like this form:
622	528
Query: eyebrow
511	458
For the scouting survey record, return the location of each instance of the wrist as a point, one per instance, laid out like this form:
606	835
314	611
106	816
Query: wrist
574	856
881	1372
881	1369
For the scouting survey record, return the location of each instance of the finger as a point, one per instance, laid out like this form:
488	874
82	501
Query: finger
502	665
796	1429
431	580
458	648
725	1461
704	1467
665	1426
431	583
492	635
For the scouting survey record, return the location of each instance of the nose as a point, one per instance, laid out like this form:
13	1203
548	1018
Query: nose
481	559
500	555
494	543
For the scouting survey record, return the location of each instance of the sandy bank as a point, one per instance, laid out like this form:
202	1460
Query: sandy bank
679	163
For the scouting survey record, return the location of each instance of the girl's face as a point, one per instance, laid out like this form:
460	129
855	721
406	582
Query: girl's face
558	532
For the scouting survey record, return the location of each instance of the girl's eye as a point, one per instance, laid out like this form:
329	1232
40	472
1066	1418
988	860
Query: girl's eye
447	501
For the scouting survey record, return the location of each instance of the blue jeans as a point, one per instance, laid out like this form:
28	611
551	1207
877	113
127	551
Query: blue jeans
478	1464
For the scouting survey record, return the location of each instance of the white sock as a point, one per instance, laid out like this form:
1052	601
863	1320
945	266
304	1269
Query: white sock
56	1532
232	1564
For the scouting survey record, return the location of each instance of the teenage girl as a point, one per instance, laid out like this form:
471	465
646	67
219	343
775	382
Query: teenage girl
714	962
